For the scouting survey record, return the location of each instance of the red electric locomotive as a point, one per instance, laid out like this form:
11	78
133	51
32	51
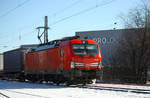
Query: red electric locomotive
67	60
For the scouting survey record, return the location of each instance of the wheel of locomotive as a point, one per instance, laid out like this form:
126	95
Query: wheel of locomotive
57	79
22	79
68	83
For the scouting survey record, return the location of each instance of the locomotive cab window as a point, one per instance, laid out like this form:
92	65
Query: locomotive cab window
85	49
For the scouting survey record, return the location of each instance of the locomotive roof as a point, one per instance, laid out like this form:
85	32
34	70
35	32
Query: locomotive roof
56	43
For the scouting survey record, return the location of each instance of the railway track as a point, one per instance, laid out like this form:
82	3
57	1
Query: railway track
3	95
119	89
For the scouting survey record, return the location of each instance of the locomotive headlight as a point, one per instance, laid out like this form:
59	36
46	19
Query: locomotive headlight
94	64
99	64
79	64
72	65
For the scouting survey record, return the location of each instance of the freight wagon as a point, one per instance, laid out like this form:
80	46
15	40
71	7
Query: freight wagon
13	62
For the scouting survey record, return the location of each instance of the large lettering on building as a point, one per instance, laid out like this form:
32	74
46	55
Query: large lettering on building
104	40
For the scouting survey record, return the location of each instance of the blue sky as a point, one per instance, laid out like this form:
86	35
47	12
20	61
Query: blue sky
17	27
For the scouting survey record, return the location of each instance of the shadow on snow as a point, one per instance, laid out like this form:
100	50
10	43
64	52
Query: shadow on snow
22	85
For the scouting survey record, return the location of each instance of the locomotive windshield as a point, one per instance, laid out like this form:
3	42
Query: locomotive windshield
85	49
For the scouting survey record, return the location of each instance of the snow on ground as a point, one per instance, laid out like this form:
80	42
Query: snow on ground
9	89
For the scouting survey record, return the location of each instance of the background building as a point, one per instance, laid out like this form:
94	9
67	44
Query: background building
109	41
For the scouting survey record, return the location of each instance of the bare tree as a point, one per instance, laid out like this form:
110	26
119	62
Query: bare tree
133	50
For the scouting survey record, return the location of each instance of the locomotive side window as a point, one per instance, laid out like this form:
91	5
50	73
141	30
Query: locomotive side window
61	52
85	49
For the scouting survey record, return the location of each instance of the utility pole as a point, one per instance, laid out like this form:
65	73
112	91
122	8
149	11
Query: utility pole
46	29
45	32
